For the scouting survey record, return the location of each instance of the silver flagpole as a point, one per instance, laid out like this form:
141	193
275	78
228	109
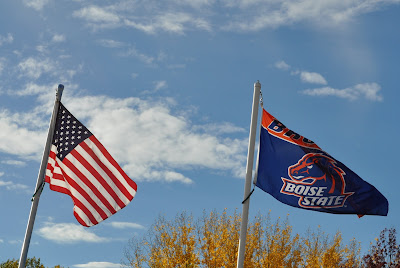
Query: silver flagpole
40	179
249	170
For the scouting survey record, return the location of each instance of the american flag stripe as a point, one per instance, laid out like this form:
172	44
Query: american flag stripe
92	180
80	166
90	148
53	174
124	183
82	217
89	217
104	176
82	184
88	197
81	192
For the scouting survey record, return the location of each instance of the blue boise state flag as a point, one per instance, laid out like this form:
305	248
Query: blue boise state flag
298	173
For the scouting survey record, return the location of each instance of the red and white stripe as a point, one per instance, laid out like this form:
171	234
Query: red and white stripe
94	180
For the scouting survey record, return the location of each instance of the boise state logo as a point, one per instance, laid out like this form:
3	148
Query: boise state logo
317	181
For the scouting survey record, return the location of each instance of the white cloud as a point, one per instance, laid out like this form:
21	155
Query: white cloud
24	133
129	50
14	242
11	186
124	225
181	16
97	14
41	48
13	162
313	78
36	4
195	3
2	64
305	76
30	89
172	22
158	16
369	91
6	39
160	85
62	233
34	68
58	38
147	28
133	52
110	43
155	144
282	65
273	14
172	176
17	139
1	241
175	22
98	265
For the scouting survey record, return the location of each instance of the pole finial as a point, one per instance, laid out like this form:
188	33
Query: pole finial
59	91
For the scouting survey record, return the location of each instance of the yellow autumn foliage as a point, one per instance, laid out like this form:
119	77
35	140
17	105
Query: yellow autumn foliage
212	242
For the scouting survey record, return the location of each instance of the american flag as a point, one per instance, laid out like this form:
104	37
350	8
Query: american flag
81	167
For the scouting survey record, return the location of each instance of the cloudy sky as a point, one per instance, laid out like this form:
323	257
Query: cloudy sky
167	86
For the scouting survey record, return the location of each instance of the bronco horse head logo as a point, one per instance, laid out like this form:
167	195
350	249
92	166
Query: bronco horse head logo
314	167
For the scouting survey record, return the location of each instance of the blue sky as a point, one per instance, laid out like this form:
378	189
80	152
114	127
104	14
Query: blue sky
167	87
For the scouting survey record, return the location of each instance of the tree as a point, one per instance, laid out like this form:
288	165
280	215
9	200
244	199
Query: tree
9	264
217	239
352	254
271	244
212	241
30	263
167	244
385	252
321	251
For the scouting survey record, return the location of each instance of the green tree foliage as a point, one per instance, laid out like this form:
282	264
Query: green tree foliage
385	253
212	242
30	263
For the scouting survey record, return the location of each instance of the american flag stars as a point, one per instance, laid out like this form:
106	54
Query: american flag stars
71	132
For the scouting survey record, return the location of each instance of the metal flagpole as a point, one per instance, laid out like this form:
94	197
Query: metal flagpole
249	170
40	179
